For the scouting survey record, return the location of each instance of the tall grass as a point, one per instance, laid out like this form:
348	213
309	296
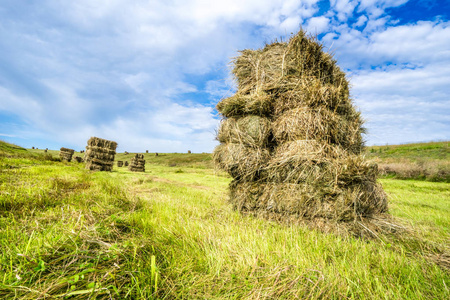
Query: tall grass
423	161
170	233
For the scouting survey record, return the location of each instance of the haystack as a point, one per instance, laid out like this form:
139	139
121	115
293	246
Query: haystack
119	163
137	163
99	155
125	163
66	154
291	137
78	159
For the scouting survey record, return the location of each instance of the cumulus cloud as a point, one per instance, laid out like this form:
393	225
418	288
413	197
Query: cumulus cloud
318	25
151	72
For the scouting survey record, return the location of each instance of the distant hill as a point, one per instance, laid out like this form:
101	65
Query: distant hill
423	161
11	148
432	150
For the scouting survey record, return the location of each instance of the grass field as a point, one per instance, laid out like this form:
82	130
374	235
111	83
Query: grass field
169	233
421	161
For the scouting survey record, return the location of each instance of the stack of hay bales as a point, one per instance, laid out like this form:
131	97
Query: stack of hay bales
291	137
137	163
119	163
99	155
66	154
78	159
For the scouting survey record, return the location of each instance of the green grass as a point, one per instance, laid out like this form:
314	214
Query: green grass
424	161
169	233
414	152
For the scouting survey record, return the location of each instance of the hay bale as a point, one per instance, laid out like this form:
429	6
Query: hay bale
32	148
78	159
119	163
239	161
99	155
156	154
291	137
257	103
137	163
250	130
146	151
189	151
305	123
125	163
309	201
66	154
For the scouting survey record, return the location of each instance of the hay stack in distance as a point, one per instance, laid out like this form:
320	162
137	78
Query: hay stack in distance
137	163
78	159
125	163
119	163
291	137
99	155
66	154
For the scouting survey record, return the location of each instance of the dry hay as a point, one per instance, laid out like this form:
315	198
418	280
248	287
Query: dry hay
250	130
137	163
125	163
99	155
119	163
321	124
257	103
66	154
309	201
292	139
241	162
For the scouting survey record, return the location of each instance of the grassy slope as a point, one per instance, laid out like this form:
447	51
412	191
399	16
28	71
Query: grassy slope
415	152
67	231
424	161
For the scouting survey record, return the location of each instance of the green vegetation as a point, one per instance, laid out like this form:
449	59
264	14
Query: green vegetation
423	161
199	160
68	233
413	152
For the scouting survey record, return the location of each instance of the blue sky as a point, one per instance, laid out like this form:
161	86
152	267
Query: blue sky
148	74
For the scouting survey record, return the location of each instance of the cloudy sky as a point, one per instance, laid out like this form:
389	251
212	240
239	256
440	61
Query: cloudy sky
148	74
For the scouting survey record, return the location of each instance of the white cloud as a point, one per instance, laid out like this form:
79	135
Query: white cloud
151	71
361	21
318	25
343	8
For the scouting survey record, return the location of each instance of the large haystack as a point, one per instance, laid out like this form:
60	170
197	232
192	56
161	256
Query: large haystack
66	154
99	155
291	137
137	163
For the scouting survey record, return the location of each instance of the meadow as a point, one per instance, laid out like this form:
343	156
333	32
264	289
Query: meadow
169	233
421	161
